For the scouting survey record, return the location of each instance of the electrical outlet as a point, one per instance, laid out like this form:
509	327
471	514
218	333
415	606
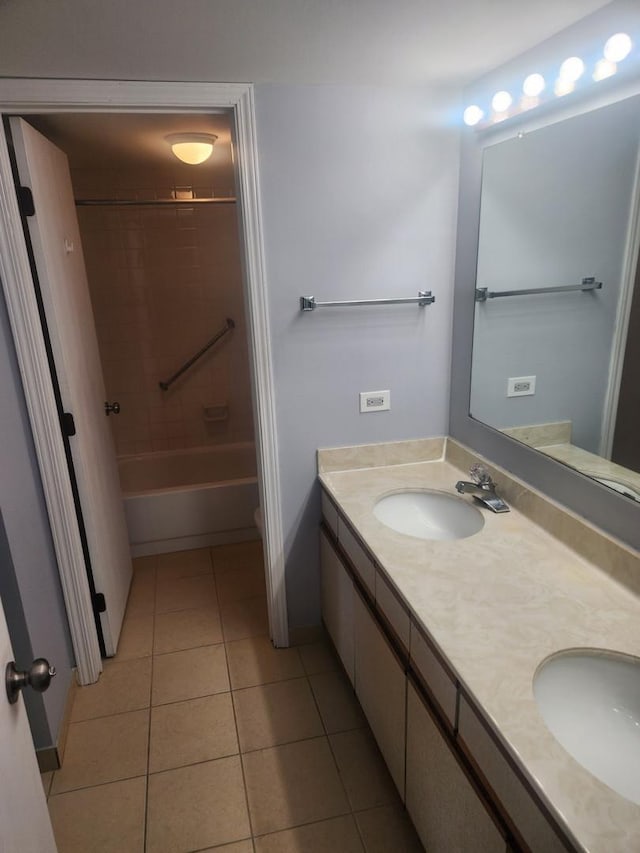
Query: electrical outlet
521	386
375	401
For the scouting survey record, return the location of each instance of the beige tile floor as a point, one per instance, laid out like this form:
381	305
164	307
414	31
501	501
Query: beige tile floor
201	736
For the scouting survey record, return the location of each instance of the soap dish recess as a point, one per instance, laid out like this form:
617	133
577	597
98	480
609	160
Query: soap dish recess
216	413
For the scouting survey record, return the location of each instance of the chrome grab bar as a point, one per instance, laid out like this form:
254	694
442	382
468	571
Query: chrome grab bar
223	331
483	293
424	297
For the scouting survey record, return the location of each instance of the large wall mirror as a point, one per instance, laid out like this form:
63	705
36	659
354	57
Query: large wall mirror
556	333
550	199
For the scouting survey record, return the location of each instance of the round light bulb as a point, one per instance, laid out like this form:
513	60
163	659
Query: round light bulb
533	85
571	69
501	101
472	115
618	47
604	68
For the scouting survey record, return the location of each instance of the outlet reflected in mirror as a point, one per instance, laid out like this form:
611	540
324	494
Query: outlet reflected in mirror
556	350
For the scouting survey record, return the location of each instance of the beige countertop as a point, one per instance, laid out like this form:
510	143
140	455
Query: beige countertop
497	604
592	465
554	439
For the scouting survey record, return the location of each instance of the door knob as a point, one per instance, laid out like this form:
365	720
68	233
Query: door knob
111	409
38	676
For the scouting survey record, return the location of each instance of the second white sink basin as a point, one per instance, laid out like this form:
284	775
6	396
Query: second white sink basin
621	488
590	701
428	515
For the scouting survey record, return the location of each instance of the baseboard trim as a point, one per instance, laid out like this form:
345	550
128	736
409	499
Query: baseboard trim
51	757
188	543
306	634
48	759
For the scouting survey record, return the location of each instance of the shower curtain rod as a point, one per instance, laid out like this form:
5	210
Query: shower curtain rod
158	202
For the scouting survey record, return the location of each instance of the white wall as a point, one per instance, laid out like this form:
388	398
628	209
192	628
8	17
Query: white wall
359	187
555	208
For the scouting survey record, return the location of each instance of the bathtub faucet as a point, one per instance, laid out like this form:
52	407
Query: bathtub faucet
482	488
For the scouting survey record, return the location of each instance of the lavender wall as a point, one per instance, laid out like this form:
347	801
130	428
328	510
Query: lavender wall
359	188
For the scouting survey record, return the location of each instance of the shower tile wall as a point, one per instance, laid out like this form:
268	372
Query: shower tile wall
163	280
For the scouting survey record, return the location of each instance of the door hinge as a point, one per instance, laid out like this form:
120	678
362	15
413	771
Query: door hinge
99	603
68	424
25	201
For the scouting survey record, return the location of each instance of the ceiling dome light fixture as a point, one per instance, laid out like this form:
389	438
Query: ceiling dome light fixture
192	148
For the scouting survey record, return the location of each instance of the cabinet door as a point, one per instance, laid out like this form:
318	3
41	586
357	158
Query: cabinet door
381	688
444	807
525	814
337	603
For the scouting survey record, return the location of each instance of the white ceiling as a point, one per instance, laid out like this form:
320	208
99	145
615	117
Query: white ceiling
125	141
437	43
382	42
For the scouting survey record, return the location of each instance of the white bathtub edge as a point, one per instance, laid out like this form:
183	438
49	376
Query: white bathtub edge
188	543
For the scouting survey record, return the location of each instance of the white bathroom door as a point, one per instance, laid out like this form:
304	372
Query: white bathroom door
57	249
24	819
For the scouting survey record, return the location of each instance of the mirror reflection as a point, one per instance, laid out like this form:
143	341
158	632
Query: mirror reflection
556	349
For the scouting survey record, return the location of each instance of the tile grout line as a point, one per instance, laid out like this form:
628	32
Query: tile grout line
145	827
98	785
195	764
315	823
333	755
335	761
107	716
189	649
342	782
233	708
305	674
235	721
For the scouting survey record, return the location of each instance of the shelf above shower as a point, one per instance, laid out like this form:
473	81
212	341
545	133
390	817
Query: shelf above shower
157	202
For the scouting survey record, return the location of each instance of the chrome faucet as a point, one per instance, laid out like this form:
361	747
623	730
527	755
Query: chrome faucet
482	488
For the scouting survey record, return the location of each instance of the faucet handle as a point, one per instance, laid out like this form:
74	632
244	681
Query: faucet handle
480	475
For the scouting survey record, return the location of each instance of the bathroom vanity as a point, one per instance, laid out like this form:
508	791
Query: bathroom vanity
442	641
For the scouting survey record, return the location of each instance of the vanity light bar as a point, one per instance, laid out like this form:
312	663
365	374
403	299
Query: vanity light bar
536	88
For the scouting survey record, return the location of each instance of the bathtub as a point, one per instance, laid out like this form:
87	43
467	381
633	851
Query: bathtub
182	499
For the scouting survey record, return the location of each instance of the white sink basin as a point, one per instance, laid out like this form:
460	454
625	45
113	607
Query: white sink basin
590	701
621	488
428	515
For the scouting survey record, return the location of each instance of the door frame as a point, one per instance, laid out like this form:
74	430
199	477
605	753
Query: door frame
621	323
29	96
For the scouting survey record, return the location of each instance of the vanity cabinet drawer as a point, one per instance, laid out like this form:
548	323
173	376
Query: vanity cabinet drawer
395	614
330	514
358	556
520	807
444	806
381	690
337	598
433	675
